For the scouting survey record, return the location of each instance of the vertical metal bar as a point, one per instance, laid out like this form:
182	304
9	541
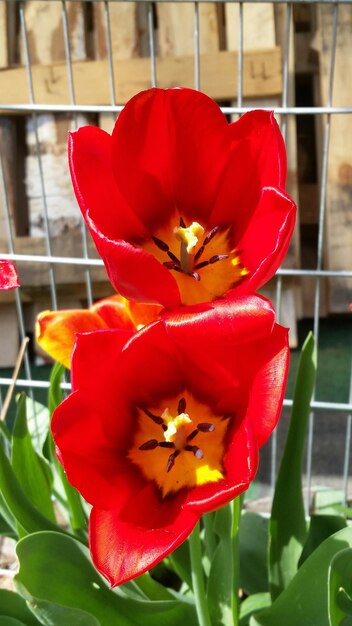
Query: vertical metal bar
347	455
196	47
40	164
240	56
73	101
321	232
110	55
152	44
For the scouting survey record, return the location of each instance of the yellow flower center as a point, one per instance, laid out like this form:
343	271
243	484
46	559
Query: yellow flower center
178	449
204	264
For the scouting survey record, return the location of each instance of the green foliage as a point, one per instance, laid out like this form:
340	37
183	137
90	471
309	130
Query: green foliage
288	529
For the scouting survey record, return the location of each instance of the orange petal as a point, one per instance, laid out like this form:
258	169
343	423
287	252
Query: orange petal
114	311
56	331
143	314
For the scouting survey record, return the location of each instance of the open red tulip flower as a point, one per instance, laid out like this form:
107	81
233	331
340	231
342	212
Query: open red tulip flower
8	275
165	425
183	206
56	330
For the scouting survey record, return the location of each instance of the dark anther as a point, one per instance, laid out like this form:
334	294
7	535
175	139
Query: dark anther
205	427
218	257
156	419
201	264
173	257
166	444
196	451
210	235
193	434
195	275
181	405
182	222
198	254
171	460
149	445
161	244
170	265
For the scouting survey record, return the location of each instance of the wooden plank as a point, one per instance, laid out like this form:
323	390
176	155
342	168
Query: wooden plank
175	34
262	77
339	189
45	31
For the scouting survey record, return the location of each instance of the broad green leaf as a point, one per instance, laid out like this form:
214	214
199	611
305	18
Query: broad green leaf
305	601
32	471
55	391
13	605
340	589
223	575
254	539
8	526
181	563
287	525
56	568
38	422
10	621
51	614
253	604
27	516
320	528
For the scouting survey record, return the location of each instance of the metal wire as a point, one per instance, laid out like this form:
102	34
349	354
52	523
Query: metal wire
285	109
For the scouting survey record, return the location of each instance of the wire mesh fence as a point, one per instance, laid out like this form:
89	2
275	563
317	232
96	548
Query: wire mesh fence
67	63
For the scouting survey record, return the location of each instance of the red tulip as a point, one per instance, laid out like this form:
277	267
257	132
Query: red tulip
8	275
184	207
164	425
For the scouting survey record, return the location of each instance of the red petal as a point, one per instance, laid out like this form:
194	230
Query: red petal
265	242
136	274
169	149
127	543
240	465
114	311
258	159
8	275
267	392
95	359
90	456
95	187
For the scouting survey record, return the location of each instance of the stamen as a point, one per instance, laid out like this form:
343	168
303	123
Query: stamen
156	418
196	451
171	460
166	444
198	254
181	405
161	244
206	427
170	265
173	257
182	222
195	275
218	257
201	264
210	235
193	434
149	445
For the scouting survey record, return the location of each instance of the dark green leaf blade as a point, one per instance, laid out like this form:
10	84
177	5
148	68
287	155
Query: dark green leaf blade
305	600
32	472
320	528
287	525
340	589
254	540
13	605
56	568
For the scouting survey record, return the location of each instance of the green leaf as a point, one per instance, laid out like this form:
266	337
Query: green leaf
254	540
29	518
221	580
320	528
181	563
32	471
38	423
287	525
55	568
8	526
12	605
55	391
340	589
10	621
305	601
253	604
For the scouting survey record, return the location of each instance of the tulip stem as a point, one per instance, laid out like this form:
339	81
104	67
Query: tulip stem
236	505
198	578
